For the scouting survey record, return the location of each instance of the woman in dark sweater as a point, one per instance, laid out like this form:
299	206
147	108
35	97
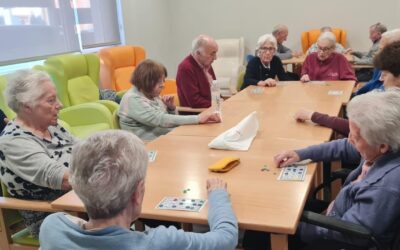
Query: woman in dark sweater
265	67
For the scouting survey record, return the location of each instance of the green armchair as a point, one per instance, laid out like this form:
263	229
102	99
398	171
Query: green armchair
76	77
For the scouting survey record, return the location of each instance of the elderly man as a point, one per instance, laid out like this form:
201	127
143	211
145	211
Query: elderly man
280	32
375	34
108	173
325	64
195	73
370	195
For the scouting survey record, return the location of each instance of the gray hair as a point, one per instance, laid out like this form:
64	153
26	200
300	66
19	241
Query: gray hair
200	42
326	29
279	28
329	36
381	28
266	38
105	169
377	114
391	36
25	88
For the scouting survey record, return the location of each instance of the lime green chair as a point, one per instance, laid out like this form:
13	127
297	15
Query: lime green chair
10	218
3	104
76	77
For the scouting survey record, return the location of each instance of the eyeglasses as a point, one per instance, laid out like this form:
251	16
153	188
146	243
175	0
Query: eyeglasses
265	49
326	49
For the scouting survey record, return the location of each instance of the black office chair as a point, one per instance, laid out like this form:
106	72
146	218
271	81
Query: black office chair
346	228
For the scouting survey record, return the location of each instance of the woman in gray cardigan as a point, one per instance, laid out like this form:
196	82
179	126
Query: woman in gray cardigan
148	115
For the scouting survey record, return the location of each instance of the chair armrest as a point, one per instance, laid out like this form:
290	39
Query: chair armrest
336	224
86	114
112	106
18	204
190	110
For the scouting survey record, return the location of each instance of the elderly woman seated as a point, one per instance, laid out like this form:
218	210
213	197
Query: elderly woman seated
35	151
148	115
108	173
387	62
265	66
370	195
325	64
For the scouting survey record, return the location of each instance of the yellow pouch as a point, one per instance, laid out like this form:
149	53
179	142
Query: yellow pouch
225	164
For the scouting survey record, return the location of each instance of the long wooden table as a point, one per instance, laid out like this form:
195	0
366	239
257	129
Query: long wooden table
260	201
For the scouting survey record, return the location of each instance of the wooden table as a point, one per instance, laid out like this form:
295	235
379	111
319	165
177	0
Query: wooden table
265	205
275	110
260	201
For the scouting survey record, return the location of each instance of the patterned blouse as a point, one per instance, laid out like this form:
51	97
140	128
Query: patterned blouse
32	168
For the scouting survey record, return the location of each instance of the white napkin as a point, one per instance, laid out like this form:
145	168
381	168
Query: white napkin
238	137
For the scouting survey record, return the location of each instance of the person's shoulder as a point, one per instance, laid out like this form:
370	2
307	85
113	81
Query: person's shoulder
254	61
186	63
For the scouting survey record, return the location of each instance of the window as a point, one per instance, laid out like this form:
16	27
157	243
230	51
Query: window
35	29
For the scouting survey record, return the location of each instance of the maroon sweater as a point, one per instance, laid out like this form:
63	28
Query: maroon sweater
338	124
193	86
335	68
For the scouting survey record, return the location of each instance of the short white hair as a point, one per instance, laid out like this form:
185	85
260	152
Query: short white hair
266	38
391	36
377	114
25	88
329	36
200	42
279	28
105	170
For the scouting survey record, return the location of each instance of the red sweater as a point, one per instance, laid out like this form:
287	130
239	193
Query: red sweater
193	86
335	68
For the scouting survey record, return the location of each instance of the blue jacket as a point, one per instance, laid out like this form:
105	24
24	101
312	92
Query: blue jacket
60	232
373	202
372	84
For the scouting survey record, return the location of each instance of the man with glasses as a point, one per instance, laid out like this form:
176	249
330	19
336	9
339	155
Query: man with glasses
195	73
265	66
325	64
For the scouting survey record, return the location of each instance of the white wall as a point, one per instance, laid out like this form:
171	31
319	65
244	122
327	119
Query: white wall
166	27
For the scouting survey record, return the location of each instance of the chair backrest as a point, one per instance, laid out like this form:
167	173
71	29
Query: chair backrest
117	65
76	77
170	88
310	37
3	104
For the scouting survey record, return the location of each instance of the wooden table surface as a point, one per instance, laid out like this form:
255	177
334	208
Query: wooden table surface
260	201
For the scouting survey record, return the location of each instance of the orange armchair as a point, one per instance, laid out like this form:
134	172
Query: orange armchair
117	65
308	38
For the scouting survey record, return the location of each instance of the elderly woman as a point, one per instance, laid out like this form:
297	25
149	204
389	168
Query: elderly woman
370	195
325	64
387	62
34	149
108	174
148	115
265	66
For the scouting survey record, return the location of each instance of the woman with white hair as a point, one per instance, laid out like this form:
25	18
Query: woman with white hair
325	64
265	66
108	174
34	149
370	195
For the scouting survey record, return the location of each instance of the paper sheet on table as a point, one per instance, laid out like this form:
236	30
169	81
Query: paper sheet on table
239	137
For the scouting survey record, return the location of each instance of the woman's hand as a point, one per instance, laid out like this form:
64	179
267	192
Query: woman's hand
267	83
286	158
215	183
168	100
207	117
303	115
305	78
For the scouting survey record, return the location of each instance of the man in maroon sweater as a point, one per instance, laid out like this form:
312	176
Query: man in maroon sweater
195	73
325	64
